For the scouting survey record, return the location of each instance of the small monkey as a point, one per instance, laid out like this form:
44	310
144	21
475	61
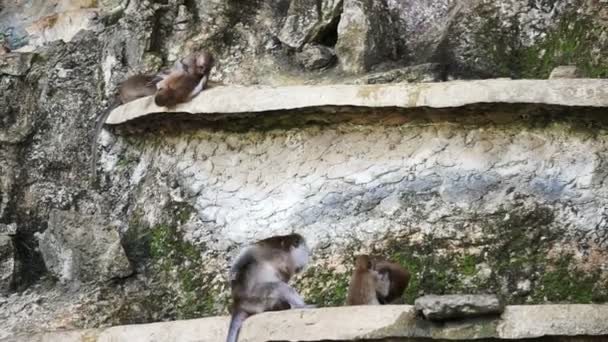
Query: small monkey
398	278
259	276
366	283
182	84
131	89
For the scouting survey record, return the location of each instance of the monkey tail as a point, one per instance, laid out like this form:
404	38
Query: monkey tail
100	121
236	321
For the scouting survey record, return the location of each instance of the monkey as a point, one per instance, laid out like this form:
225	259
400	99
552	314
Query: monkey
398	279
183	84
259	276
132	88
366	283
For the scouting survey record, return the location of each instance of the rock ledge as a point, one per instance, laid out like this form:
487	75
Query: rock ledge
360	323
237	100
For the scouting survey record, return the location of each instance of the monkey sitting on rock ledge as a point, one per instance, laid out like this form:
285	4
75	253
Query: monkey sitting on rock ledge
186	79
376	281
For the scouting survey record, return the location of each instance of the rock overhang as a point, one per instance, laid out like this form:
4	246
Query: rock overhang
244	100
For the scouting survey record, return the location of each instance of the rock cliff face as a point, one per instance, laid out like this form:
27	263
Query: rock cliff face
504	198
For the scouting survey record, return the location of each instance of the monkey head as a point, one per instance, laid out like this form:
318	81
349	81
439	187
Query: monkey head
364	262
300	253
198	63
294	244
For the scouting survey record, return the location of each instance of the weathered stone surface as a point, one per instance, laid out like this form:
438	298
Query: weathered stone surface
365	35
7	264
359	323
462	194
244	100
309	20
447	307
82	248
565	71
314	57
430	72
8	229
16	63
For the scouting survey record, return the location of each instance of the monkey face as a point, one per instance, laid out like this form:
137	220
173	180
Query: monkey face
300	255
364	262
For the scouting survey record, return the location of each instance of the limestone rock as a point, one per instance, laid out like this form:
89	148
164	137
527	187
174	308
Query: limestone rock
565	71
82	248
365	35
429	72
441	308
308	21
15	63
314	57
7	263
8	229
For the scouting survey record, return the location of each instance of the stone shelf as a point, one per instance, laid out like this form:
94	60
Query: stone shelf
393	322
237	100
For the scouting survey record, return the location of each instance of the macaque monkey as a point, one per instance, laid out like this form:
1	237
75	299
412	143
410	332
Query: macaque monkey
133	88
182	84
398	278
366	283
259	276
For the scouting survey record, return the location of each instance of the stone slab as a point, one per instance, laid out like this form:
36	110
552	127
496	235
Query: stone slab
446	307
256	99
356	323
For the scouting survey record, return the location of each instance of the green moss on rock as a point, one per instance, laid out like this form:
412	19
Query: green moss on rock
498	47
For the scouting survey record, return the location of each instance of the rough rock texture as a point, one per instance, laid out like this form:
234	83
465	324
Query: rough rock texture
429	72
565	71
449	307
315	57
310	21
365	35
7	264
503	198
568	323
78	248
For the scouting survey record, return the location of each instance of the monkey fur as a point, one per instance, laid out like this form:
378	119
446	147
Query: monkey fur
182	85
132	88
259	276
398	278
366	283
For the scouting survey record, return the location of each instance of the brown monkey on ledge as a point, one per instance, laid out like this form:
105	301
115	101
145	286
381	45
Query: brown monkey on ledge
398	278
259	276
366	283
181	85
376	281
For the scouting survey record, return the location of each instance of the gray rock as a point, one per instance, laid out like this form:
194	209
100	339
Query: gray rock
365	35
429	72
565	71
79	248
15	63
308	20
8	229
314	57
7	263
441	308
